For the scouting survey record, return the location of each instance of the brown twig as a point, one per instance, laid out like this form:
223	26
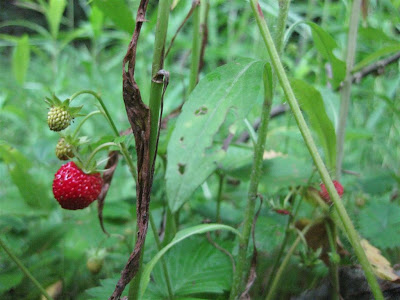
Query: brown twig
107	177
195	3
377	67
139	118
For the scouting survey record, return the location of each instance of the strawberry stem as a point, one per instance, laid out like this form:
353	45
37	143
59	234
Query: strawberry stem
74	135
102	146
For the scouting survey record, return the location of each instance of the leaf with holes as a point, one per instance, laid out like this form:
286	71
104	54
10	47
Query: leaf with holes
225	95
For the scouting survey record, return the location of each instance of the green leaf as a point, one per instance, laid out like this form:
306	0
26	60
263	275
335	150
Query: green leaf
10	279
325	44
278	172
33	192
380	223
194	267
270	231
21	58
119	13
225	95
375	56
54	13
96	19
311	102
180	236
45	237
104	290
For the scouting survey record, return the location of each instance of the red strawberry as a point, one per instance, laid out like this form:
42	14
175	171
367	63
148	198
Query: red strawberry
74	189
324	193
282	211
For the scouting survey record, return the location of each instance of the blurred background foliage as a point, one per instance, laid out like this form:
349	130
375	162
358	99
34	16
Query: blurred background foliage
63	46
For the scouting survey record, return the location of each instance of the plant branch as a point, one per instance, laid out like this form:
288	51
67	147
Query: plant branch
253	190
305	131
24	269
282	267
377	66
346	89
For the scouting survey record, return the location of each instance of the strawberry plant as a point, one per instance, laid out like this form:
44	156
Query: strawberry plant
247	152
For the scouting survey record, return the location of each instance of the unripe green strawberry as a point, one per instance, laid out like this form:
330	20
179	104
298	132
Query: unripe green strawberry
74	189
64	150
58	118
60	114
94	265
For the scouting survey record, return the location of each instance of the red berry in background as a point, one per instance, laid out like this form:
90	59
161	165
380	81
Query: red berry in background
74	189
324	193
282	211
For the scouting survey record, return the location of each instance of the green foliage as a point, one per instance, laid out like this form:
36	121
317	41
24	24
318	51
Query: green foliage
21	58
311	102
379	223
119	13
217	98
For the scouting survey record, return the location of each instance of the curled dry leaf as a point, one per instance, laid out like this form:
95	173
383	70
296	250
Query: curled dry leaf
380	264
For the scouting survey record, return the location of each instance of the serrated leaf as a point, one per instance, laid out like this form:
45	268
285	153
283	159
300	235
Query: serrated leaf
311	102
104	290
270	231
21	58
378	218
195	266
231	89
45	238
180	236
325	45
119	13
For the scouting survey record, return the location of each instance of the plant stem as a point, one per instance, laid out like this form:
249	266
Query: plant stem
252	193
75	134
346	89
164	265
219	197
124	149
281	26
305	131
155	105
158	63
24	270
331	230
282	267
194	69
102	146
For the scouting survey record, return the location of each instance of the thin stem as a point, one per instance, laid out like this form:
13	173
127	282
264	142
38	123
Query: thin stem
158	64
163	264
75	134
282	267
102	146
219	197
279	256
194	69
24	270
252	193
331	230
281	26
346	89
124	149
305	131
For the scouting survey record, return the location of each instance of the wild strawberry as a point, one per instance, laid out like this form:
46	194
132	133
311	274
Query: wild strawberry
74	189
282	211
324	193
96	260
58	118
64	150
60	114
